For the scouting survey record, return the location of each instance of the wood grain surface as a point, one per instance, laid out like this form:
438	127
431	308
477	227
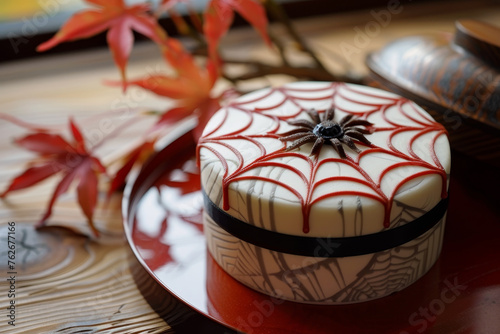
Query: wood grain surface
69	283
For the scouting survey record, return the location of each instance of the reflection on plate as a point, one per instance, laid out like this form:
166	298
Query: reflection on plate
163	221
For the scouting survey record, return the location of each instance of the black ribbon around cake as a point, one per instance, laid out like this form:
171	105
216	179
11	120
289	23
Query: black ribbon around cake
321	246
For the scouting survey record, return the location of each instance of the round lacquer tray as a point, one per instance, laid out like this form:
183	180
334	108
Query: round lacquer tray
163	223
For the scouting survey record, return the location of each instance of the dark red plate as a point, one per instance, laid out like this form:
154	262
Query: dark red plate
163	224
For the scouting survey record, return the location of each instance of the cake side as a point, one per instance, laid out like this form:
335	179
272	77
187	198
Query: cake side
325	280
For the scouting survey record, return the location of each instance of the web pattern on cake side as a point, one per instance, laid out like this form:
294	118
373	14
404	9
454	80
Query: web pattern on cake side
324	280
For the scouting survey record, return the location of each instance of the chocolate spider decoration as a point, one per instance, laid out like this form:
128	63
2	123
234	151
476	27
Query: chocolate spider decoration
327	130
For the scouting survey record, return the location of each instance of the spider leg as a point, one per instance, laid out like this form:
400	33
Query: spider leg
345	120
329	114
360	130
314	115
358	136
338	147
303	123
357	121
299	142
294	131
317	146
296	136
350	143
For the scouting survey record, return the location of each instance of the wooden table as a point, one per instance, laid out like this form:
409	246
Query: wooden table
69	283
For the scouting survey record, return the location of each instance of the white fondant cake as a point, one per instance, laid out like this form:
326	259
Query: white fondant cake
344	219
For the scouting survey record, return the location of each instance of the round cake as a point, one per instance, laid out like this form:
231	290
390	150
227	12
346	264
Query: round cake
321	192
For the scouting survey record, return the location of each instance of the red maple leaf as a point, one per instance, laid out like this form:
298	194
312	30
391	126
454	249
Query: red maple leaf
119	20
72	160
159	249
139	154
178	20
191	86
169	4
186	181
219	16
196	220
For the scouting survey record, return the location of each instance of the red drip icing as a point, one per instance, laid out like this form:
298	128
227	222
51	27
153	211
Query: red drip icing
331	91
225	196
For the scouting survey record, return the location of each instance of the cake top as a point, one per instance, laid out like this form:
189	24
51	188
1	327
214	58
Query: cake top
328	148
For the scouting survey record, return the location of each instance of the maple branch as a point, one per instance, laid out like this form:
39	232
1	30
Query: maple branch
317	71
117	130
279	14
259	69
29	126
190	30
279	45
233	80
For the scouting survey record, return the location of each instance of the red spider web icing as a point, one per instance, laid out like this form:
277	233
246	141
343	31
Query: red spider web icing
296	96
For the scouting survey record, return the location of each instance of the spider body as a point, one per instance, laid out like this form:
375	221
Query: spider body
327	130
